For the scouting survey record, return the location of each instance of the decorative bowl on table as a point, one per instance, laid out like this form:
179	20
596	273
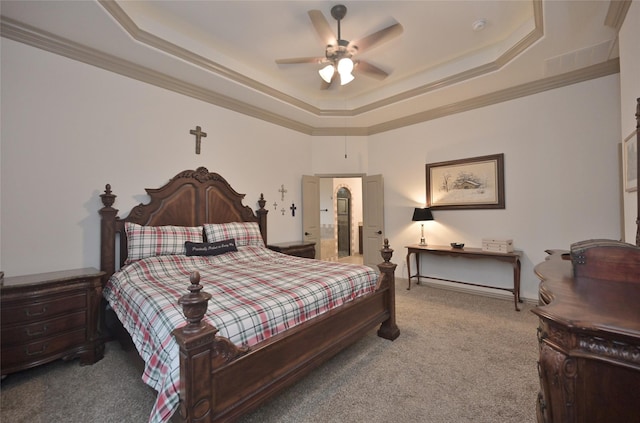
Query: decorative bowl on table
457	245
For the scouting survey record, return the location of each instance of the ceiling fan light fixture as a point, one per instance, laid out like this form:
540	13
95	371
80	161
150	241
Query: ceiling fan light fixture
338	52
326	73
345	78
345	66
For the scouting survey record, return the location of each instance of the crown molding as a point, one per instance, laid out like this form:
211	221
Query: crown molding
599	70
25	34
144	37
127	23
617	13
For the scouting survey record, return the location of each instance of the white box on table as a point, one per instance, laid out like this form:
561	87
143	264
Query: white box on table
497	245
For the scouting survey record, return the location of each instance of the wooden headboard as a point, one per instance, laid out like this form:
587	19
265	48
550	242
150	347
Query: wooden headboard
191	198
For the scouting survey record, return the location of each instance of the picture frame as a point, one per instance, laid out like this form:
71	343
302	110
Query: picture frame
630	162
472	183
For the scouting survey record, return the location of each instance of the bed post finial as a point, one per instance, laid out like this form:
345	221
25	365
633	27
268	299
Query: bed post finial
194	304
389	329
107	233
386	252
108	198
196	352
262	217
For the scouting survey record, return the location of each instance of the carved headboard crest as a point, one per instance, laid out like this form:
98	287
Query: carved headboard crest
201	174
191	198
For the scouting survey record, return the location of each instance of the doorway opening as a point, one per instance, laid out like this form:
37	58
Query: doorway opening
341	219
343	207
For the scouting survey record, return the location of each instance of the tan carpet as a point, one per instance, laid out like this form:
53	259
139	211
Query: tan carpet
459	358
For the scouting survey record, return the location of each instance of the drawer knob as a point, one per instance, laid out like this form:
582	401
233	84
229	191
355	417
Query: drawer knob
30	313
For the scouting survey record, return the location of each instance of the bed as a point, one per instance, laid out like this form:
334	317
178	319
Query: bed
204	368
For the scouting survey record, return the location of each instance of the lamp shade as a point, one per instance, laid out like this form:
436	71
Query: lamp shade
420	214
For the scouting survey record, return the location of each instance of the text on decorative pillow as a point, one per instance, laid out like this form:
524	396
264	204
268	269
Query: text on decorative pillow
210	248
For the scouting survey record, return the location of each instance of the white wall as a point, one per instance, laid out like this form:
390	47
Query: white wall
328	155
561	178
69	128
629	92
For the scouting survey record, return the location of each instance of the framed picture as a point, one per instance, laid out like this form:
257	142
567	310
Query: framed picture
474	183
630	162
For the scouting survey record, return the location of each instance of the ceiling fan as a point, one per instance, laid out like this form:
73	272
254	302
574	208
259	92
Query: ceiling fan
339	53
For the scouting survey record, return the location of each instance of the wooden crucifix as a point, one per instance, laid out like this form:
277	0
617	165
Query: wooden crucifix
293	209
199	135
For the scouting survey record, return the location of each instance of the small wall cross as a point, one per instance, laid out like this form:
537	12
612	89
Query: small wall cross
282	191
199	135
293	209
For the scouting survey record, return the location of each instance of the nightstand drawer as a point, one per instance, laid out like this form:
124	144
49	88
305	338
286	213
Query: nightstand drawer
19	334
48	316
40	350
41	308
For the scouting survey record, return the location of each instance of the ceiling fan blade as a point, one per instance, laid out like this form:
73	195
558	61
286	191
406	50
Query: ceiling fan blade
370	70
378	37
296	60
322	27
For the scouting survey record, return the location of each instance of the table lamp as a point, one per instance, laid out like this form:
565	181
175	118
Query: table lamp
420	215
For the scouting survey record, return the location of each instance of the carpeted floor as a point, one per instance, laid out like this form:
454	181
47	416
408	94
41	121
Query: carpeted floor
459	358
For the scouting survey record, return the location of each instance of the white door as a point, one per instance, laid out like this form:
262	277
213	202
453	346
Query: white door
311	210
373	219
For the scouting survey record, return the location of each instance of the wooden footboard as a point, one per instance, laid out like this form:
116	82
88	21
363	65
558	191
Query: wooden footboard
242	379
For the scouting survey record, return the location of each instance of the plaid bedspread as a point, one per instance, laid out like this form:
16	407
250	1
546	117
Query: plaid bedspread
256	293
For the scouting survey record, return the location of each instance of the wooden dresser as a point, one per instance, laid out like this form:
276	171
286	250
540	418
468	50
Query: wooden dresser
589	334
50	316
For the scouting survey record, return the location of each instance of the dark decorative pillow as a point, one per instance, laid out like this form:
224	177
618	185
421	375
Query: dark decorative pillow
210	248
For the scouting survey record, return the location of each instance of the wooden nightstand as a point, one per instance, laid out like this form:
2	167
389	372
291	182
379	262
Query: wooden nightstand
298	249
50	316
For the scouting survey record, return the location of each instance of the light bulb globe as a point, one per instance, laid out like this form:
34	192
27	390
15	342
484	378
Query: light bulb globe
326	73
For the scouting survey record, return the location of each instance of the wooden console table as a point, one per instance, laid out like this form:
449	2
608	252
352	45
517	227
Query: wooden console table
476	253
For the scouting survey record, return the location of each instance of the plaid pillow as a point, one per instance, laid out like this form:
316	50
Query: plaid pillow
148	241
245	233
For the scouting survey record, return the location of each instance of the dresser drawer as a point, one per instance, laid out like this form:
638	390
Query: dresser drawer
19	334
41	350
42	308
